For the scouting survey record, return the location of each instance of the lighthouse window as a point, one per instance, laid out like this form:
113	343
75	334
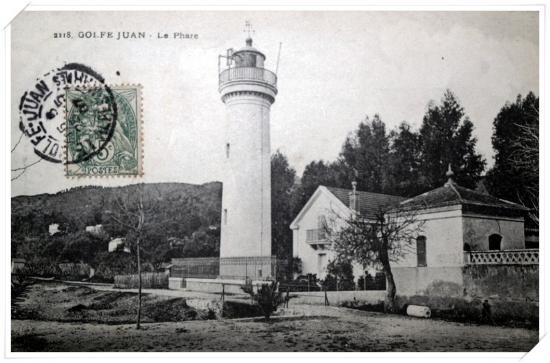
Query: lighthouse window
227	147
225	216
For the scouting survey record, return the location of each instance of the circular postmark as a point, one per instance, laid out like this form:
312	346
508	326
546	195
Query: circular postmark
93	110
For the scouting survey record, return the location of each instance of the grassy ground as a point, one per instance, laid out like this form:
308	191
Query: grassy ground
310	328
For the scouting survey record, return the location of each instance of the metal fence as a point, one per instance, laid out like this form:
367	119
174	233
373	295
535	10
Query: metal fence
206	268
238	268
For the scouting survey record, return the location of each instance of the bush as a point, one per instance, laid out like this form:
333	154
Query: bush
20	284
42	267
268	297
339	276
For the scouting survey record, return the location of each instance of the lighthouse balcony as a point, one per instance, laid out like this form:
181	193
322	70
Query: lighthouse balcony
249	75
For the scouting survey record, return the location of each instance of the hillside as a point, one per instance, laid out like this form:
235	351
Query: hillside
186	213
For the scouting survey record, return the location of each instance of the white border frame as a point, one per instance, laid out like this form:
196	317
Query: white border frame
320	5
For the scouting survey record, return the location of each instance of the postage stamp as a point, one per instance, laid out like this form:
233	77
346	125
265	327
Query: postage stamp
103	131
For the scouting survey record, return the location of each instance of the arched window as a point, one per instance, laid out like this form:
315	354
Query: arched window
421	251
467	247
494	242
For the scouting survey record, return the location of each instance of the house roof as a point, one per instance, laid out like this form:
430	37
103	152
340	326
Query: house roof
471	200
368	203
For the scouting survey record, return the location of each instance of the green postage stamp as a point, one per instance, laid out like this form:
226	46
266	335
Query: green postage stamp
104	131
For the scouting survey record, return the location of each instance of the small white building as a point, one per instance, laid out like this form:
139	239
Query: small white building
116	242
53	229
455	225
96	231
309	242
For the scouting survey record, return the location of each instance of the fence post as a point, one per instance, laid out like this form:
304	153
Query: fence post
337	290
326	297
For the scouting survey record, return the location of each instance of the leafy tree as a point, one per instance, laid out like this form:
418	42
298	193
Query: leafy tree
283	178
374	242
110	264
318	173
405	161
78	247
446	137
202	244
515	174
339	276
365	156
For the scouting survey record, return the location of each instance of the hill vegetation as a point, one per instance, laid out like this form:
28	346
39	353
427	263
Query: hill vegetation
185	223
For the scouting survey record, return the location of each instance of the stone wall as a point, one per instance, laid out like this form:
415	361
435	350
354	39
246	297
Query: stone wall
511	291
337	297
477	230
518	283
446	281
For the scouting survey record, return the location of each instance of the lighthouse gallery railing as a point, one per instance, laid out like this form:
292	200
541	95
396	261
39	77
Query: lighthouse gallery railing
248	73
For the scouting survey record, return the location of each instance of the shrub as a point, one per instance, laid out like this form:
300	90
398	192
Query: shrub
339	276
268	297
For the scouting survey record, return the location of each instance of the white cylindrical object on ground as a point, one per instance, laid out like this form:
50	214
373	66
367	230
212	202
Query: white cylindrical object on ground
419	311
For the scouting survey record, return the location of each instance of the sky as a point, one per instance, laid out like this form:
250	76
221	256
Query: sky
335	69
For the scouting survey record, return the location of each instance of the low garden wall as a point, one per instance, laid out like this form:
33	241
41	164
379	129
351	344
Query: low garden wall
511	292
370	297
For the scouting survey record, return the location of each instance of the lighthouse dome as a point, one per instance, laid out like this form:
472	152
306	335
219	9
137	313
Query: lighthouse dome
248	56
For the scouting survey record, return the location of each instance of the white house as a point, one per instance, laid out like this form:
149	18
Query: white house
455	226
310	243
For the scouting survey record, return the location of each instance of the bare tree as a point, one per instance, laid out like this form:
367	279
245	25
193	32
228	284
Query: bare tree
375	242
130	216
526	158
21	170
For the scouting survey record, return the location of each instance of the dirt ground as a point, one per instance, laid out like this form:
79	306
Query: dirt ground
342	330
298	328
83	304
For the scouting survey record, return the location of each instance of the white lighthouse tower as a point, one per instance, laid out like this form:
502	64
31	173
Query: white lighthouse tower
248	91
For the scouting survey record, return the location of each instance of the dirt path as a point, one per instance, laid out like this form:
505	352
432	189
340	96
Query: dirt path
310	328
337	330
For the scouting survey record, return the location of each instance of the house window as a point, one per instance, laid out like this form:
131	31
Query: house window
322	227
494	242
227	148
421	251
225	216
